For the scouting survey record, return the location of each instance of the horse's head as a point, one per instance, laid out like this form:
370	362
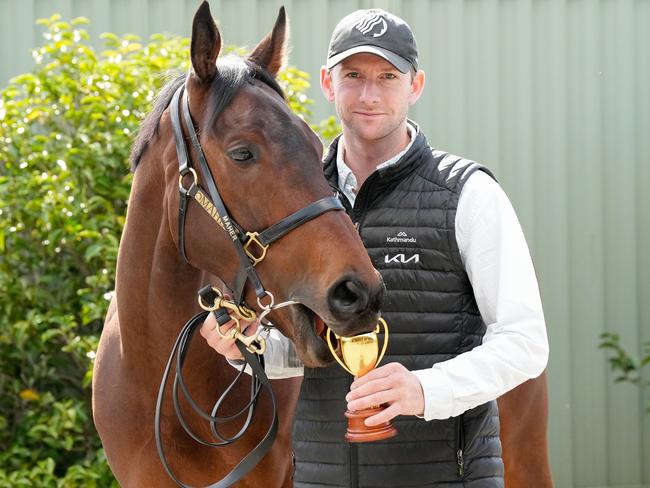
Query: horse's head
266	163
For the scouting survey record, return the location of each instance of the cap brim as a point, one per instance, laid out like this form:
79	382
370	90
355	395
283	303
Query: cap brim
398	61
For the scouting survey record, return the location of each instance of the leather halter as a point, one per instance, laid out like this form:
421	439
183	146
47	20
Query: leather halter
246	243
251	248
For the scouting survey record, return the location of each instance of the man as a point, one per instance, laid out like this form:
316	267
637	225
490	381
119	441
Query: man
463	304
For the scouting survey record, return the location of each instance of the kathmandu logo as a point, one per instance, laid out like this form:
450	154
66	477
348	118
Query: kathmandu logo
401	259
401	237
370	23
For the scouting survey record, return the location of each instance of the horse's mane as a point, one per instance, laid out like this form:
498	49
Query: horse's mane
232	73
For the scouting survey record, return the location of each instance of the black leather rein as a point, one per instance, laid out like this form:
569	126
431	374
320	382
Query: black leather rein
251	248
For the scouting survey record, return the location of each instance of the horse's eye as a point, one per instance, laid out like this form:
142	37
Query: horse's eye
241	154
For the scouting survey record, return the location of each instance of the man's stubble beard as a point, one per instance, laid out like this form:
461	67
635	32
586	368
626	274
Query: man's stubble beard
381	132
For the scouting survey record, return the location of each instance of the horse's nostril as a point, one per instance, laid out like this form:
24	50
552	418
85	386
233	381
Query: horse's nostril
348	296
346	293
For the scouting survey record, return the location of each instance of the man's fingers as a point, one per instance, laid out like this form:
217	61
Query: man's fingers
208	324
383	416
375	374
250	328
392	384
370	387
226	346
378	398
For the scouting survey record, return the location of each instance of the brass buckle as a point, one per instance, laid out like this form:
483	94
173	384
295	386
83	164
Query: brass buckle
254	343
217	301
246	313
242	310
252	239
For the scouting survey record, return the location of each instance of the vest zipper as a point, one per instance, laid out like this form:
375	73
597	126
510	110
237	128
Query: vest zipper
354	474
360	200
460	445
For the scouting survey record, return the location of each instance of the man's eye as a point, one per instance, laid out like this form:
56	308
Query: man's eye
352	75
390	76
241	154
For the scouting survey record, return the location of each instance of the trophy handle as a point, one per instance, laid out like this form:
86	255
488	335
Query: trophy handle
333	351
383	349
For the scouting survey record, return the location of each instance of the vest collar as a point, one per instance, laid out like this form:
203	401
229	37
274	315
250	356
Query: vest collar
403	166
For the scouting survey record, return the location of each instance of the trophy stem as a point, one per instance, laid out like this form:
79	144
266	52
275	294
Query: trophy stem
358	431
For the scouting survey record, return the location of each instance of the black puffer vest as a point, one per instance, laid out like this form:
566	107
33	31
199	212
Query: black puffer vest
406	215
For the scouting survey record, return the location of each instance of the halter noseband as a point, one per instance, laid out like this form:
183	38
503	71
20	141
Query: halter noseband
250	246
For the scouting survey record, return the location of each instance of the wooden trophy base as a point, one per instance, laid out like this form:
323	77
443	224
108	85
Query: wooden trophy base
358	431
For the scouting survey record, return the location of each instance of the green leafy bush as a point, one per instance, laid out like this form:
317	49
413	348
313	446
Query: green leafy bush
65	134
628	368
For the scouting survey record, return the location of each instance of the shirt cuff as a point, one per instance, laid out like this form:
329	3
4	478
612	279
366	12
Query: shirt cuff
438	394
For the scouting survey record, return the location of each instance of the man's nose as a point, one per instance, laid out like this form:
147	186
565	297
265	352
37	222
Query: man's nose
369	92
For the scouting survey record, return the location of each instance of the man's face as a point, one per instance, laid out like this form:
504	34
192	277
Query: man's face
371	96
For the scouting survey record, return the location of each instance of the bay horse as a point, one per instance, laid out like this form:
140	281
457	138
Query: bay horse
267	164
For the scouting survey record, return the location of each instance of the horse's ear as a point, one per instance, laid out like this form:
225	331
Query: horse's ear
271	52
206	43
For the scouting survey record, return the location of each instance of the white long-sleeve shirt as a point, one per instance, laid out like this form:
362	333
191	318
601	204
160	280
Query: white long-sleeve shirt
500	269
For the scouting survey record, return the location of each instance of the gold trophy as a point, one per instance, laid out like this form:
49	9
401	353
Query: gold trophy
359	355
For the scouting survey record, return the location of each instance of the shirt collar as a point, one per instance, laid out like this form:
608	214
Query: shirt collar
347	181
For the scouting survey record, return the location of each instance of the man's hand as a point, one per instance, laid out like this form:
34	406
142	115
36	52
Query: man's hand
226	347
390	384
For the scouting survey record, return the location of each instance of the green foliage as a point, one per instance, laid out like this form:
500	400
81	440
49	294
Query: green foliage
328	129
65	134
628	368
294	83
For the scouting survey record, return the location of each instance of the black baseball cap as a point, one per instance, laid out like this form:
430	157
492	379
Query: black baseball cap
377	32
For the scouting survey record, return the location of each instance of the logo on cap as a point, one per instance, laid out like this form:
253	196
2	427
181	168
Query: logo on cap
370	24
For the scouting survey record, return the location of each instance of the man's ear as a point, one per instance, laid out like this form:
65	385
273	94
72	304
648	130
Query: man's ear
271	52
417	85
326	83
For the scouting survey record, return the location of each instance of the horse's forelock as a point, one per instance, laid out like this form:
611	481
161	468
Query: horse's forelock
232	73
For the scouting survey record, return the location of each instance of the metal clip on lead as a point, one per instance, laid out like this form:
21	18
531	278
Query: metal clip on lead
224	311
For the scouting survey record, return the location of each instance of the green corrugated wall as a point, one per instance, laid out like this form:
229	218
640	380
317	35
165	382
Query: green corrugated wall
554	96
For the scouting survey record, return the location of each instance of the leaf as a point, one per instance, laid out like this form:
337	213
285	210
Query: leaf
30	395
92	251
60	26
33	115
80	21
23	79
51	333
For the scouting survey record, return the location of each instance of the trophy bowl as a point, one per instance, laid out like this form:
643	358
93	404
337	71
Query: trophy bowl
359	355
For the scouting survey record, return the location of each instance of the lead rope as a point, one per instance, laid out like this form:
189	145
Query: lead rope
252	349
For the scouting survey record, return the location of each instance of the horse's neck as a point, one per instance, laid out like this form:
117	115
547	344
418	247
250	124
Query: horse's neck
155	290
